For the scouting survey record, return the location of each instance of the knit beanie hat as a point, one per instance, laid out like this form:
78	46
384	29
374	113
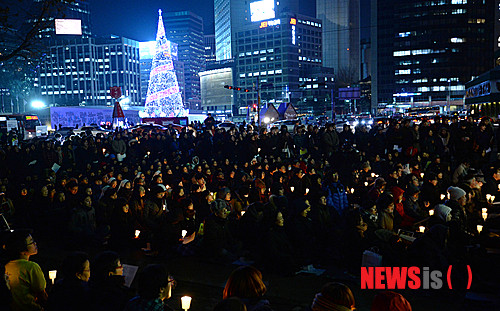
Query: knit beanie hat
442	211
455	193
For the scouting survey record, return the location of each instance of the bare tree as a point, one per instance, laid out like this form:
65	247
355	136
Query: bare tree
346	76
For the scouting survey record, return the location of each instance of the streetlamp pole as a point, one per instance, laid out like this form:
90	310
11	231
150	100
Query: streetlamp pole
449	96
258	101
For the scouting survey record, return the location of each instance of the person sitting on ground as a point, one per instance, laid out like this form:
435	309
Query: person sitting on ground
155	286
246	283
334	297
26	279
107	289
390	301
71	293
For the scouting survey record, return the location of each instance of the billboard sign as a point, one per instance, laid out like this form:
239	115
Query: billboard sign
68	26
348	93
262	10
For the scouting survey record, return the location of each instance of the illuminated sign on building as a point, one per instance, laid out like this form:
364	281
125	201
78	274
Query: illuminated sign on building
270	23
261	10
293	21
293	34
68	27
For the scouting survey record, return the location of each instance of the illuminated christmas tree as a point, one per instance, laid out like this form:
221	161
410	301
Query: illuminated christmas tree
164	97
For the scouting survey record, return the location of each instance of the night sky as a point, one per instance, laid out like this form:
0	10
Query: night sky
138	19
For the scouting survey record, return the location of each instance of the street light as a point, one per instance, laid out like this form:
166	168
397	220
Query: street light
37	104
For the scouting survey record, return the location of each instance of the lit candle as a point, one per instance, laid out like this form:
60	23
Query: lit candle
421	229
103	150
488	197
352	190
366	184
484	210
498	187
243	213
292	188
431	212
448	196
258	149
422	175
184	232
376	176
52	275
373	175
443	196
479	228
307	190
186	302
492	198
149	153
485	216
137	232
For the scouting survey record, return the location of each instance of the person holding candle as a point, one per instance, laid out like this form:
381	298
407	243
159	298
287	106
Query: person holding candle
26	279
71	293
442	216
154	288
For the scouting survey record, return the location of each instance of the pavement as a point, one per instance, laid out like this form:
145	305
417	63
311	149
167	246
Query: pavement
204	281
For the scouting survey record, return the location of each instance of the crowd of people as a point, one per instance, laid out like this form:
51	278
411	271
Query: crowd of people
413	192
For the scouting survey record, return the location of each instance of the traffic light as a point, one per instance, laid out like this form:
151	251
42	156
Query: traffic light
230	87
247	90
254	108
237	88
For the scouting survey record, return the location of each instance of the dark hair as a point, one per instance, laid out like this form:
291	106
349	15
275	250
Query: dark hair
73	264
103	264
151	280
339	294
231	304
244	282
15	243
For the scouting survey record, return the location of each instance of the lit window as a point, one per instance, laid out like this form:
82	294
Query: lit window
457	40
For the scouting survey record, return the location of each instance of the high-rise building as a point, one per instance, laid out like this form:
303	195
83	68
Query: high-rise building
79	72
341	37
186	29
231	16
423	52
209	48
277	56
74	10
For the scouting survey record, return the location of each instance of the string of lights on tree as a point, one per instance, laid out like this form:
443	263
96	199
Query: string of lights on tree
164	98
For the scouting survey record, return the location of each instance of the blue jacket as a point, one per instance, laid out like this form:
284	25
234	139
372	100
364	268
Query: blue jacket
336	196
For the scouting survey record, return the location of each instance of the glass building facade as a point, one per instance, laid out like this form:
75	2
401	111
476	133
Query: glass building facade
425	51
79	72
186	30
277	55
341	35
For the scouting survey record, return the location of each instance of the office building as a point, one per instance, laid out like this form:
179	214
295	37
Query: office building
186	30
277	56
79	72
231	16
341	37
216	99
423	52
209	49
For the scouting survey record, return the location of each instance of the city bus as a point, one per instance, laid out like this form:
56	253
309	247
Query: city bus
24	124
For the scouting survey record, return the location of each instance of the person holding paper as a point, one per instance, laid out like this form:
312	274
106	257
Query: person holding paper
155	286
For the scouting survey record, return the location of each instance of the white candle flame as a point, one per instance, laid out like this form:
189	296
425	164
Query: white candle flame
137	232
421	229
184	232
431	212
479	228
